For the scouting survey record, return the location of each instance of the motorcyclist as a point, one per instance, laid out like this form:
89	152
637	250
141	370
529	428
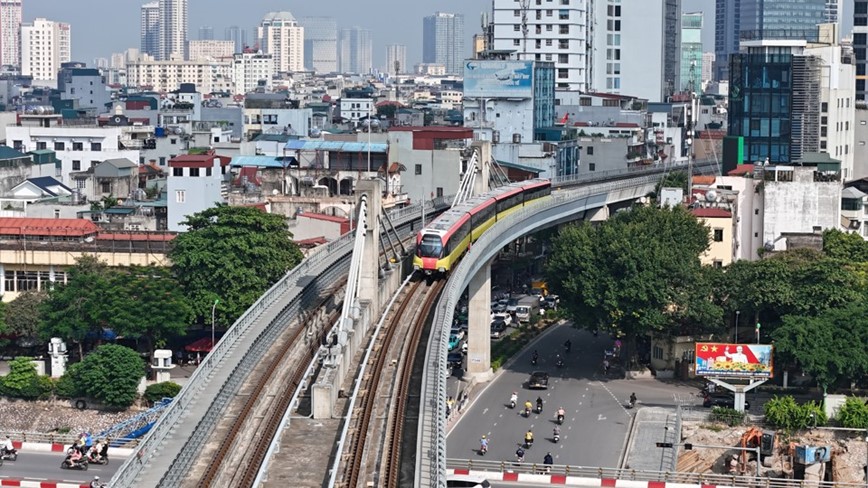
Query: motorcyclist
548	459
561	414
519	454
483	444
528	438
7	446
633	399
75	457
513	400
534	357
557	431
560	361
528	407
539	404
95	483
568	345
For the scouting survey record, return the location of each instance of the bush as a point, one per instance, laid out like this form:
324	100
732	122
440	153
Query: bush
110	375
65	387
853	414
785	413
23	382
158	391
728	416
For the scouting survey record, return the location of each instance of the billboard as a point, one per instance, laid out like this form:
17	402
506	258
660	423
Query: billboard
498	78
734	360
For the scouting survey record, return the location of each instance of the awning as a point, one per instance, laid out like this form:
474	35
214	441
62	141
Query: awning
202	345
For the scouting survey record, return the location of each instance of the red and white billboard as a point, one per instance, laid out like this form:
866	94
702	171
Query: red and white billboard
734	360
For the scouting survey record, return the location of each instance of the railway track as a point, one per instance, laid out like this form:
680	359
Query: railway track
399	343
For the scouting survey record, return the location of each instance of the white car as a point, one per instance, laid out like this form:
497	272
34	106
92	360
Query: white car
507	318
466	481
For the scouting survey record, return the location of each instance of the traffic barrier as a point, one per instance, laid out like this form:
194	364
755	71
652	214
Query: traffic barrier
55	447
566	480
21	483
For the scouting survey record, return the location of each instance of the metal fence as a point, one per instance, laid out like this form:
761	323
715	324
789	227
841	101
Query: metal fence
65	439
640	475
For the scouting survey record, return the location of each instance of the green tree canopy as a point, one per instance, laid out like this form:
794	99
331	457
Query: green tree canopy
830	347
110	375
635	273
845	246
23	381
233	254
23	314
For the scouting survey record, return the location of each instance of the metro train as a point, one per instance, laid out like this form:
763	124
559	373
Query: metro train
441	243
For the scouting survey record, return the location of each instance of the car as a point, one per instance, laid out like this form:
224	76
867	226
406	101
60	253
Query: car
498	327
724	400
539	380
455	359
457	331
511	304
466	481
505	317
453	341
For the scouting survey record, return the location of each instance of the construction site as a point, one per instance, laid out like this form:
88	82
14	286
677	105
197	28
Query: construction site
822	454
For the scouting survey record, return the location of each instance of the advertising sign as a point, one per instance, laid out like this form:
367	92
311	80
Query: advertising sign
498	79
734	360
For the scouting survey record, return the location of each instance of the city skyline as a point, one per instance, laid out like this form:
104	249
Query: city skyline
401	26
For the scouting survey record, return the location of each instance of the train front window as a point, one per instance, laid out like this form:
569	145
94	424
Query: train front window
430	247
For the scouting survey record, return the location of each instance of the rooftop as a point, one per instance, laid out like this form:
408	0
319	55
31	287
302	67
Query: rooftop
711	213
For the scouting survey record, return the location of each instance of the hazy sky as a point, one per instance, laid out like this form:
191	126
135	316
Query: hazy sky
101	27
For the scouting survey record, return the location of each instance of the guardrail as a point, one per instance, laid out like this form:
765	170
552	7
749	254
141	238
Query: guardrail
639	475
65	439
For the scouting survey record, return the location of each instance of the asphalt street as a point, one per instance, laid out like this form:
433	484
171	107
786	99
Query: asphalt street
596	424
45	466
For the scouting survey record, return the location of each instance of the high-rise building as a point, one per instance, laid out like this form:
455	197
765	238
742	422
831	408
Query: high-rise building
206	33
671	45
173	29
150	29
355	51
737	20
860	47
10	32
833	11
691	53
396	59
251	70
802	103
631	53
238	36
443	41
280	35
45	45
320	44
559	35
202	50
708	66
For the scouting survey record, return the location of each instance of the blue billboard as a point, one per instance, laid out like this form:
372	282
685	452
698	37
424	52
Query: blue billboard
498	79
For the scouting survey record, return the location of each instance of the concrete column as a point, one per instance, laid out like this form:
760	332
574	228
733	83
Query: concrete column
479	327
483	159
369	285
598	214
2	280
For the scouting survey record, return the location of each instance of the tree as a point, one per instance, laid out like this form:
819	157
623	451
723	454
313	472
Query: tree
845	246
639	272
853	414
158	391
675	179
110	374
23	314
233	254
830	347
147	304
74	310
388	110
23	381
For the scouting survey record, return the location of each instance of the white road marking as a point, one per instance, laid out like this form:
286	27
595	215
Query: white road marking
600	383
485	411
600	417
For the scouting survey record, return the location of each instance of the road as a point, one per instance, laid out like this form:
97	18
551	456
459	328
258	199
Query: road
596	424
45	466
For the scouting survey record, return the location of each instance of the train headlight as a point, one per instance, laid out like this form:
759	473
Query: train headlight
442	270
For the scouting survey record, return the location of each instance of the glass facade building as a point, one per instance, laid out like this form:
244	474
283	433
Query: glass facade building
691	53
543	94
781	19
774	103
860	45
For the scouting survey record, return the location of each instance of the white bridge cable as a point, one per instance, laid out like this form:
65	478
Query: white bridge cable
465	190
346	320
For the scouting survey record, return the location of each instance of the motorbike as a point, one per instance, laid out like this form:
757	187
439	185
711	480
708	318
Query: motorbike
533	360
630	404
539	407
526	412
568	346
528	443
9	455
556	437
560	363
560	419
483	449
511	403
100	460
68	463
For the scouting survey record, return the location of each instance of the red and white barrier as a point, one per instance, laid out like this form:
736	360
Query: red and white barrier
567	480
40	484
55	447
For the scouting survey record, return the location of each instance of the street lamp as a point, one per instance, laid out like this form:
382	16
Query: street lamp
737	313
213	310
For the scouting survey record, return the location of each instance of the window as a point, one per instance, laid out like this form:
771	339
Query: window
590	151
77	146
208	171
162	160
56	213
592	166
194	171
563	29
563	58
96	146
180	196
717	263
41	146
76	165
173	141
824	107
516	13
18	145
718	235
177	171
418	169
106	187
516	42
658	352
563	73
756	211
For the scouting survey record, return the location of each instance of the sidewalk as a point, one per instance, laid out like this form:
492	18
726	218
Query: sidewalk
652	425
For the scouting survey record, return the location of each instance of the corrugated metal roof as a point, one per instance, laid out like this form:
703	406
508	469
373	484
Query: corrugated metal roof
46	227
520	167
336	146
257	161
